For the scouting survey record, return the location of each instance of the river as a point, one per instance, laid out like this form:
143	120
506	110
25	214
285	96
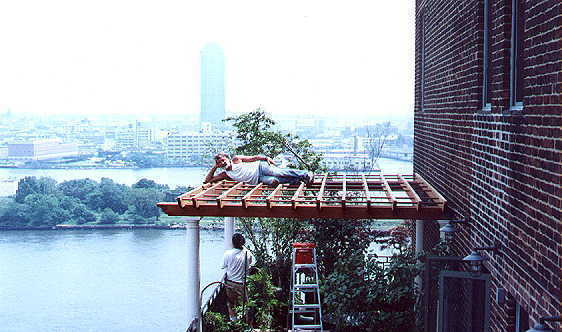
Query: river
105	280
170	176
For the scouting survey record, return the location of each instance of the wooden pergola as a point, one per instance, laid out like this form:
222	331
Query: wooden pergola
354	196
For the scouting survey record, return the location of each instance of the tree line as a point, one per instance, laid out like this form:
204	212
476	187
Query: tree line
44	202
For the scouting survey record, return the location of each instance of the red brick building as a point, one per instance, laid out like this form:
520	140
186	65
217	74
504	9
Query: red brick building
488	137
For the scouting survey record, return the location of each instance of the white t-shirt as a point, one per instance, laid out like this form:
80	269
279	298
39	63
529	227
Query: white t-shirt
245	172
233	262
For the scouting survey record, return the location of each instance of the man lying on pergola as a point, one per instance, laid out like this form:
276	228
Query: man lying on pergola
254	170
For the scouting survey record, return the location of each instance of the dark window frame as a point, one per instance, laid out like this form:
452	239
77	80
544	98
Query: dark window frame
486	91
516	55
422	61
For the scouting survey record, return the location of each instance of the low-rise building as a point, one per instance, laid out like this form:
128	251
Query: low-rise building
41	150
185	146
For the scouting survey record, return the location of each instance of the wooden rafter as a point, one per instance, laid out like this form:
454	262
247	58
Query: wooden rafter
410	191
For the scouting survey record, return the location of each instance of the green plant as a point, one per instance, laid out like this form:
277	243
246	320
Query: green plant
217	322
262	302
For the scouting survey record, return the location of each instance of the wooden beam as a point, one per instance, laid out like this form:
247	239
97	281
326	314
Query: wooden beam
185	200
409	191
272	195
244	199
296	195
388	192
366	189
234	188
321	192
440	197
195	198
344	191
305	212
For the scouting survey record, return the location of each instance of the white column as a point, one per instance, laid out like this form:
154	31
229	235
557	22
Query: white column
419	236
419	248
193	271
228	232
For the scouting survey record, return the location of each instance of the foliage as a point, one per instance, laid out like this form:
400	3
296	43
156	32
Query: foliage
145	160
108	216
262	302
14	215
31	185
45	210
362	293
43	202
257	136
217	322
79	188
144	201
109	195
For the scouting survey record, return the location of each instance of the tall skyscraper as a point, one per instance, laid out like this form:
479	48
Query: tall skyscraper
212	85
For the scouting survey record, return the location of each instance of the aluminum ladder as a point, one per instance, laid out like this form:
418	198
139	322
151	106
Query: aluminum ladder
306	312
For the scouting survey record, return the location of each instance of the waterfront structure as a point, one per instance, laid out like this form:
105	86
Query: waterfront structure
212	85
487	136
185	146
41	150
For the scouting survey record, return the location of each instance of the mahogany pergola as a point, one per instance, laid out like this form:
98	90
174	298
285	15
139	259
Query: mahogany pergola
355	196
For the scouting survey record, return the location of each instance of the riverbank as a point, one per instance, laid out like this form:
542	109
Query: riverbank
209	226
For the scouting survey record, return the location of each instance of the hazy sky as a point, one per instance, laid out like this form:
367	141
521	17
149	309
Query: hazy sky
142	57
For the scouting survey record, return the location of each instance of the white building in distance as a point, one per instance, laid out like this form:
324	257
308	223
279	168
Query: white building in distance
184	146
41	150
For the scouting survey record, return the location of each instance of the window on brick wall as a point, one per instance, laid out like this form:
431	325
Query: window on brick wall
516	63
521	319
486	97
422	61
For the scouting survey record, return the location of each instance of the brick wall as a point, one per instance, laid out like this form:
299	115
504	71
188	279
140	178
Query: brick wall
499	168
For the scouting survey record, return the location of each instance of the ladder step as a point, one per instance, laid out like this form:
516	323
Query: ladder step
311	326
306	306
314	286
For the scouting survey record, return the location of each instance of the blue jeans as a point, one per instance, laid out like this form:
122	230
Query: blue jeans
271	174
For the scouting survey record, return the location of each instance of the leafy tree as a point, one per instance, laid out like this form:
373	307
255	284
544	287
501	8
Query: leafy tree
147	183
144	201
257	136
108	216
45	210
109	195
15	215
145	160
31	185
79	188
172	194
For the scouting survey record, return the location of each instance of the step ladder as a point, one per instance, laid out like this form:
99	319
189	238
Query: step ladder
306	311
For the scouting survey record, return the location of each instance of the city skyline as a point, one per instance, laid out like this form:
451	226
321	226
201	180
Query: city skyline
125	57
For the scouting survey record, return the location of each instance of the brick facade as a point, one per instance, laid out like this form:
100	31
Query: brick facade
500	168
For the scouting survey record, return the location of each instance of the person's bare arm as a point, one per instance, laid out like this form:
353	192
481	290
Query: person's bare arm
249	159
211	177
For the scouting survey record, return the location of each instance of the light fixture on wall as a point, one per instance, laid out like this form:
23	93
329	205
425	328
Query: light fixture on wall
450	229
541	327
475	259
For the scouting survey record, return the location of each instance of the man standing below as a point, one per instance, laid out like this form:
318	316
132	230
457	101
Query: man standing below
254	170
237	262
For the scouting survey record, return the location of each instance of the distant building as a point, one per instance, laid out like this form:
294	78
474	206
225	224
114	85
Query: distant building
212	85
134	137
41	150
184	146
487	137
348	161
